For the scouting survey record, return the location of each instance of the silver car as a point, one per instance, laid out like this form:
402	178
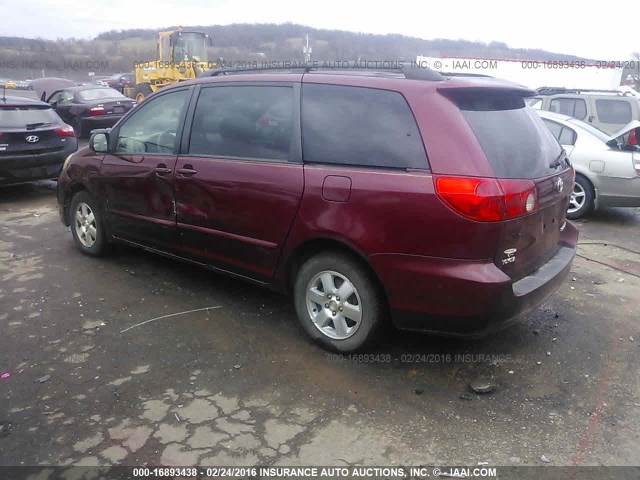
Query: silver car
607	166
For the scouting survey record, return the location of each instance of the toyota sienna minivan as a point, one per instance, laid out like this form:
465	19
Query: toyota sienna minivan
433	202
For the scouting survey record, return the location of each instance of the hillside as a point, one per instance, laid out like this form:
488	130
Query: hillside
116	51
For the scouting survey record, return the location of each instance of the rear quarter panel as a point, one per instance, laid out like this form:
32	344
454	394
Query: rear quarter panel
388	212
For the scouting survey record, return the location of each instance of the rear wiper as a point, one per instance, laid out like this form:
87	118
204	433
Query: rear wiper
31	126
558	161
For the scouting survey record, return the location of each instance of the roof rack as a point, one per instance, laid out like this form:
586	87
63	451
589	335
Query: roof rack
554	90
409	71
459	74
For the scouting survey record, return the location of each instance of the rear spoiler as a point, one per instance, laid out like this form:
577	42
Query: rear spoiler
485	84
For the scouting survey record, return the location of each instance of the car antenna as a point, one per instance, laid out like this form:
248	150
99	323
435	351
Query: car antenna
4	93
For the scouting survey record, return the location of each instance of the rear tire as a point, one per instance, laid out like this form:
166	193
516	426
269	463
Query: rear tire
86	225
338	303
582	198
142	91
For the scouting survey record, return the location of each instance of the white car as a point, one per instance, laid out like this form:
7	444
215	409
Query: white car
607	166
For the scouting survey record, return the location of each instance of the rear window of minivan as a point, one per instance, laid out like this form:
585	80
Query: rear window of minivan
513	137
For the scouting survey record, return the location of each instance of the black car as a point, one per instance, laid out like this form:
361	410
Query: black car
34	141
120	81
89	107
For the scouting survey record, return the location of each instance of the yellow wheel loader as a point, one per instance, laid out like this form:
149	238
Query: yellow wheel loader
181	55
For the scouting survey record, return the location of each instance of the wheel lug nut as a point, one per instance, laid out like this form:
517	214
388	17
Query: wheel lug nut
326	305
334	314
338	298
329	296
340	308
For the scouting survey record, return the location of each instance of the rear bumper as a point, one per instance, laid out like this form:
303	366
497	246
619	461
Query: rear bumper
466	298
100	121
27	168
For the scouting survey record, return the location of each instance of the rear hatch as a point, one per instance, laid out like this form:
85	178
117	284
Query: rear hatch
31	130
532	176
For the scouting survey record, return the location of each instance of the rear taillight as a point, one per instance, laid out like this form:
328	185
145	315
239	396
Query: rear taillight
66	131
633	140
488	199
93	111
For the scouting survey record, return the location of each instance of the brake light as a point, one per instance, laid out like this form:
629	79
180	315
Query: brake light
65	131
488	199
93	111
632	137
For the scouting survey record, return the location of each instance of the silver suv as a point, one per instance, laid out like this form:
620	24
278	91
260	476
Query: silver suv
607	110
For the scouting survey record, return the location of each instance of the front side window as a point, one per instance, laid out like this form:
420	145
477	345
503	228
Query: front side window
614	111
359	126
243	121
153	127
66	98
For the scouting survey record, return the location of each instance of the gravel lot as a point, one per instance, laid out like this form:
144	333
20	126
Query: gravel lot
239	384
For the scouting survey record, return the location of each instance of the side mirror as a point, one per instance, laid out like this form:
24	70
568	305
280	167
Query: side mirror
99	142
613	143
43	97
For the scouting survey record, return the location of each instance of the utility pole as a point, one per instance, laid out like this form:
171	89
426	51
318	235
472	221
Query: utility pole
307	51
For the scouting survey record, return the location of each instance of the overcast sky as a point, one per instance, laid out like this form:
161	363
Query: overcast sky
551	25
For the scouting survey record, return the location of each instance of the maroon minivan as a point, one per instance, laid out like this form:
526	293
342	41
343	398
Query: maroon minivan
436	202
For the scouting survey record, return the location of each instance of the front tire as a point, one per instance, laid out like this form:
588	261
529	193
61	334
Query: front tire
142	91
338	303
582	198
86	225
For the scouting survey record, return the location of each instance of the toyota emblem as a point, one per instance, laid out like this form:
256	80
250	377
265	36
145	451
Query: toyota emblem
32	138
559	185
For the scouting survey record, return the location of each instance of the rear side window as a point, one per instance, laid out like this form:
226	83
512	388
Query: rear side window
27	116
574	107
613	111
243	121
513	136
359	126
564	135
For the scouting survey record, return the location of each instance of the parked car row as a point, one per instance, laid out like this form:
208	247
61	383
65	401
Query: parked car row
83	107
600	132
15	84
37	136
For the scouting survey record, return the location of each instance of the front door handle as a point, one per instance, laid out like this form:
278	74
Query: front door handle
162	169
187	170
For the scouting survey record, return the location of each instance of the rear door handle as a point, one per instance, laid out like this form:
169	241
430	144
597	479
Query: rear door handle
187	170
